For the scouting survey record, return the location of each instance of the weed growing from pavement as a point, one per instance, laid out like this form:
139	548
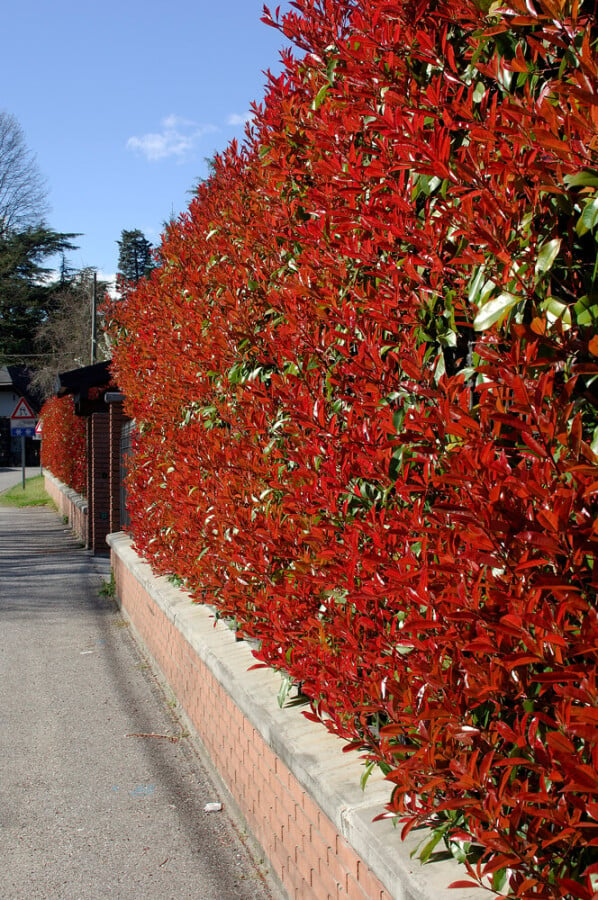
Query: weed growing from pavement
108	588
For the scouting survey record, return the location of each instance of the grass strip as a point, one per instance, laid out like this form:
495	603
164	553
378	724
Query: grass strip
34	494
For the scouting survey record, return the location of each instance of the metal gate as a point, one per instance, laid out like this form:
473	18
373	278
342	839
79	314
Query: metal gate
126	439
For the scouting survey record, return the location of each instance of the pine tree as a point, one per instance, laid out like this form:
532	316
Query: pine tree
27	294
135	259
28	285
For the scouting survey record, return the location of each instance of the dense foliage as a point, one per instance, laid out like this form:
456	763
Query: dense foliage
365	383
63	450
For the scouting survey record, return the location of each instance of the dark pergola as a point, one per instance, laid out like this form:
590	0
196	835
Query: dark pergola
98	400
80	382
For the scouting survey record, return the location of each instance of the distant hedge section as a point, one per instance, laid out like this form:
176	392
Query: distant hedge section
63	451
365	382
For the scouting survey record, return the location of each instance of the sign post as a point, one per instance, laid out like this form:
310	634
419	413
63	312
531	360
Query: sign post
38	437
22	424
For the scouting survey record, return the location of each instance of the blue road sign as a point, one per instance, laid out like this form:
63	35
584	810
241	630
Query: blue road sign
22	431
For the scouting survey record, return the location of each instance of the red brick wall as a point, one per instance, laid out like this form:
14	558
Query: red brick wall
303	846
102	511
69	504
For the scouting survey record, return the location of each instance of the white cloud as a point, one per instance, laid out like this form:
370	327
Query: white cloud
110	277
111	288
236	119
177	138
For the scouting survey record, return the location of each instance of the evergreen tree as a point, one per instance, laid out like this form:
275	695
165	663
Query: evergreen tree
135	259
27	291
27	284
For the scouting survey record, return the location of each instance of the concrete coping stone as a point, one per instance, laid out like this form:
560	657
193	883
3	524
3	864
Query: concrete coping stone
330	776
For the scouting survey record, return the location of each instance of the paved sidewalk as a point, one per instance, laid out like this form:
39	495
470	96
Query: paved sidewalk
10	476
95	800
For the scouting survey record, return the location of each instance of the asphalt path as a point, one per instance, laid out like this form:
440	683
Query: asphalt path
102	793
11	476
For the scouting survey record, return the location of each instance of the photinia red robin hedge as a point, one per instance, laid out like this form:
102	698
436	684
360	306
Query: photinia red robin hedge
365	383
63	450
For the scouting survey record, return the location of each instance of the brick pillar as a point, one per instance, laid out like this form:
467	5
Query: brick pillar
99	496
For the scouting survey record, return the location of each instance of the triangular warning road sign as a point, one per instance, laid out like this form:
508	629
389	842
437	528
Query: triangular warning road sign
22	410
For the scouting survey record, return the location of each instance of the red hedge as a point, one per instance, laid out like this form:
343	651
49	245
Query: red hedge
364	380
63	450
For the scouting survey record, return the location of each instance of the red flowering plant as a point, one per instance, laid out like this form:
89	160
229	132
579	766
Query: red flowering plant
364	379
64	448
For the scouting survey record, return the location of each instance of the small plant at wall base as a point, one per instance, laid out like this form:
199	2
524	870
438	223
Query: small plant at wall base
364	379
108	588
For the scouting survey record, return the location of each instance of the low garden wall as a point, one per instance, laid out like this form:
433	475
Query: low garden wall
71	505
295	787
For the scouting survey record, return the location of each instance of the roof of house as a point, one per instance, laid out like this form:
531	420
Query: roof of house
18	378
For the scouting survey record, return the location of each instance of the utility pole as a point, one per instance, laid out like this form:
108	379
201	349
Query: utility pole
93	317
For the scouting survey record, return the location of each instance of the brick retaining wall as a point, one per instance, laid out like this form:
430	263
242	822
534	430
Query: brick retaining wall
297	790
71	505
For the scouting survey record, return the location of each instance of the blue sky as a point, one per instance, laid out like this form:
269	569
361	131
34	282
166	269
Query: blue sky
122	101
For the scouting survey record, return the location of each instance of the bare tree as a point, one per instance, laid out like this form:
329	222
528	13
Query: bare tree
23	196
64	338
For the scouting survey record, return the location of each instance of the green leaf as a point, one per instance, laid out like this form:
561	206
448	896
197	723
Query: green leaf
495	310
398	417
589	217
556	309
448	338
499	879
440	368
235	373
476	285
460	850
285	689
547	255
426	852
369	768
587	178
586	310
479	92
320	97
